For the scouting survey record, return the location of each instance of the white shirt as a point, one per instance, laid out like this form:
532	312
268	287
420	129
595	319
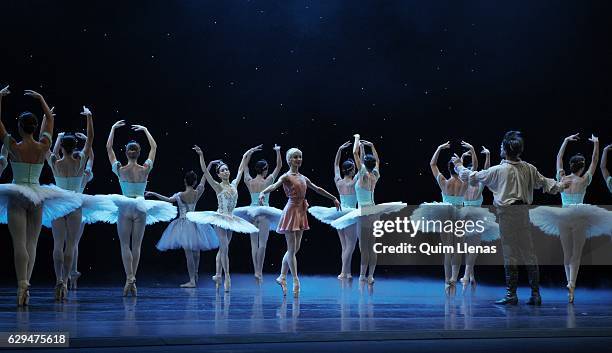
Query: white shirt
510	181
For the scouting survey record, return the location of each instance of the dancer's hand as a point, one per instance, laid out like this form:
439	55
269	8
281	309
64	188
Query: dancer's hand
4	92
61	134
337	204
52	110
346	145
608	147
118	124
573	137
485	150
467	145
136	127
276	147
594	139
33	94
466	153
86	112
357	136
456	160
148	194
81	136
198	150
367	143
444	146
253	150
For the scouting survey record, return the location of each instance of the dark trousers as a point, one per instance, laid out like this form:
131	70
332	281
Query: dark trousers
517	245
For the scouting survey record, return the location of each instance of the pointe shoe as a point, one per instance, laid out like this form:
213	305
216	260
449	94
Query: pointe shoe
341	276
126	288
371	280
23	294
296	288
197	278
570	293
72	280
349	276
64	291
227	284
133	289
190	284
362	278
59	291
282	281
217	279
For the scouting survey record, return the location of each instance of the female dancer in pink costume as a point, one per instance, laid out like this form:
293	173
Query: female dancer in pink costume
345	183
294	220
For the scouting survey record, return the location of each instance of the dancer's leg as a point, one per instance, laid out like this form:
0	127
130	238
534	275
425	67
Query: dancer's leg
567	244
342	238
364	251
196	263
350	236
470	261
34	224
73	227
138	230
447	240
579	237
190	266
17	225
264	233
254	244
124	230
59	229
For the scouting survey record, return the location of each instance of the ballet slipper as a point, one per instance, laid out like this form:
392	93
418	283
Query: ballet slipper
227	284
282	281
217	279
190	284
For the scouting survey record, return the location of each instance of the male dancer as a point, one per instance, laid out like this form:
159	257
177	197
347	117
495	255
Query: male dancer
512	183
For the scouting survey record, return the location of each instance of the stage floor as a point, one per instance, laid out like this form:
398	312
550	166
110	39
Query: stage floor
328	312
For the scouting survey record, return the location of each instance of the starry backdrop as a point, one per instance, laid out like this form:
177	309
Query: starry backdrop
228	75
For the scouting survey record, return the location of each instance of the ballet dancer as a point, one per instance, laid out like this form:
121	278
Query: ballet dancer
3	159
263	217
363	217
25	204
345	183
512	183
185	234
294	219
134	213
575	221
223	220
473	211
453	190
604	167
68	170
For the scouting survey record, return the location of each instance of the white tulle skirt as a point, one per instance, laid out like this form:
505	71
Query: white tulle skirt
328	214
434	211
374	210
250	213
225	221
595	220
56	202
157	211
97	208
185	234
490	230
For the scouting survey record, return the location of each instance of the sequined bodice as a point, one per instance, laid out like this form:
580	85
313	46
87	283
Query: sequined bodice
572	198
184	207
227	199
26	173
453	200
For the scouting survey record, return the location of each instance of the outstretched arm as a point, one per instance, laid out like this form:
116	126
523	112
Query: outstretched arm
270	188
433	164
152	143
337	175
109	143
279	162
603	165
595	156
90	131
215	185
160	197
560	170
322	192
5	92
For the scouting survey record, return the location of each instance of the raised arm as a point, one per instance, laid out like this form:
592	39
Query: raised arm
150	139
595	155
90	131
560	170
215	185
160	197
5	92
433	164
473	155
46	127
245	160
322	192
109	143
487	154
337	175
3	158
357	151
279	162
57	144
88	173
270	188
603	165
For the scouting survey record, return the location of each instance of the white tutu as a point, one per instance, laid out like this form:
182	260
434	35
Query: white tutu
97	208
185	234
249	213
435	211
328	214
56	202
157	211
353	216
475	214
225	221
595	220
